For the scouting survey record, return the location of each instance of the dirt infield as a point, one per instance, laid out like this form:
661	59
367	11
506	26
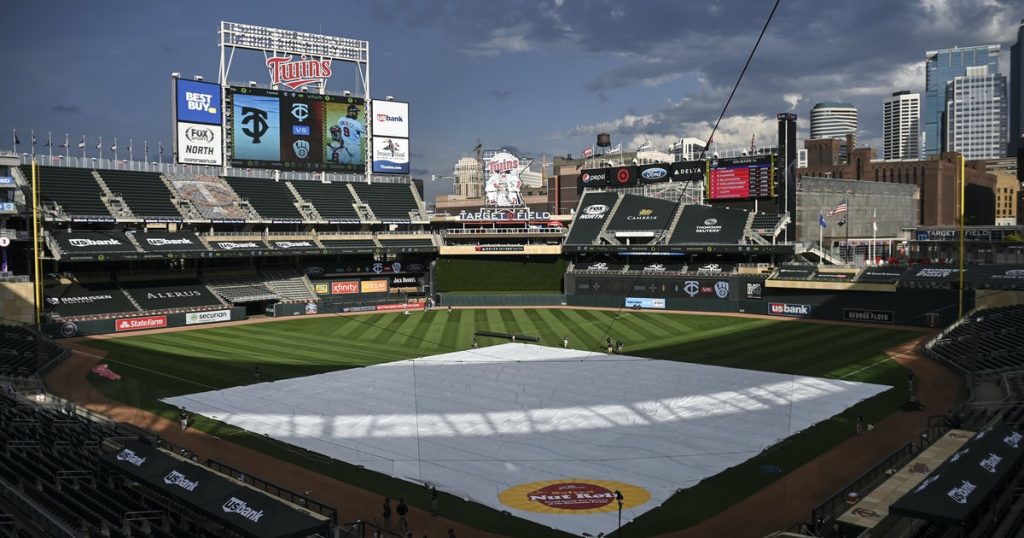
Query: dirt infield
788	500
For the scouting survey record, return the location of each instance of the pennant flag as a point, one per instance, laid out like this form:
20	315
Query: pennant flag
874	220
821	220
16	139
840	208
113	147
49	140
842	221
33	138
646	146
81	145
99	145
589	152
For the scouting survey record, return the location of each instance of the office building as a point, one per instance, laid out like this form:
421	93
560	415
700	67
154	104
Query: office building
976	114
942	66
1017	94
834	120
901	126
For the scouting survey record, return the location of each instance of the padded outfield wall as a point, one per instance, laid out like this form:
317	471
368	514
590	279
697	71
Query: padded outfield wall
748	294
71	329
501	274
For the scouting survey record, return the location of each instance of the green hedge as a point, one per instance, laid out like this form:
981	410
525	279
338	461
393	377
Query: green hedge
501	274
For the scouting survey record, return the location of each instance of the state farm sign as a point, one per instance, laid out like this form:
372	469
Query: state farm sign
136	324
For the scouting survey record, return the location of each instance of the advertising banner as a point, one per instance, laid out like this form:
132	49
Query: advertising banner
199	144
373	286
390	119
390	155
197	102
787	309
596	177
503	187
199	318
345	287
400	306
654	173
137	324
622	176
645	302
322	289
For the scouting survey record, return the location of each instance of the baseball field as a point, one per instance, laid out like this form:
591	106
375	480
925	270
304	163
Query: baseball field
156	366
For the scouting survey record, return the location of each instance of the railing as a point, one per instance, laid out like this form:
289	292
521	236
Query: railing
505	231
274	489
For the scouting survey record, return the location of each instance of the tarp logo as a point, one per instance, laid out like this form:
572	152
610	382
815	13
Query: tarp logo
235	505
159	242
991	462
927	482
1013	439
129	456
962	492
174	478
79	242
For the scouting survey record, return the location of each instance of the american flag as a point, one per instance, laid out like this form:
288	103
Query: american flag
841	208
589	152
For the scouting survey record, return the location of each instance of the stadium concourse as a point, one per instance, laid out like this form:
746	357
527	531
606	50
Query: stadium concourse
776	506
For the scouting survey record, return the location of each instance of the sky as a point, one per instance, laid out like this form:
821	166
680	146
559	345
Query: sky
543	77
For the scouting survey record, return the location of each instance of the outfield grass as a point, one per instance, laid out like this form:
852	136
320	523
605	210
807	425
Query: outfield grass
160	365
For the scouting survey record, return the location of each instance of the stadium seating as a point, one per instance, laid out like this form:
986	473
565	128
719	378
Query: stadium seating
73	189
144	192
240	287
994	338
411	244
764	222
288	283
332	200
388	201
23	353
87	299
273	200
350	245
210	195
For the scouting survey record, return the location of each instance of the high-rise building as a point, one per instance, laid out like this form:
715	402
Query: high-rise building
942	66
1017	93
834	120
469	178
976	114
901	126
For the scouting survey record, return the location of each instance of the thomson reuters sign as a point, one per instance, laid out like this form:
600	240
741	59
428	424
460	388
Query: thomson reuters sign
572	496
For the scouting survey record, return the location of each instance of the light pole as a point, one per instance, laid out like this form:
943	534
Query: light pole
618	498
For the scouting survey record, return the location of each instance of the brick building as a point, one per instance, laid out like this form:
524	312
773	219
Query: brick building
936	178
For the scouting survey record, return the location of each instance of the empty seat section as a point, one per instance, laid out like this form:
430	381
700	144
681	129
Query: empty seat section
288	283
350	245
332	200
407	243
388	201
144	192
74	189
271	199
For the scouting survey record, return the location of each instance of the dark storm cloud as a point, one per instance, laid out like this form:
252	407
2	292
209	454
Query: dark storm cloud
65	109
501	95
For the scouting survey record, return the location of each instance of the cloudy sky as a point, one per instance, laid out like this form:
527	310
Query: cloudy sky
541	76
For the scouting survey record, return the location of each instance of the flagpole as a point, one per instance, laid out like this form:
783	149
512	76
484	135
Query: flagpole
32	142
49	145
874	236
67	148
129	151
848	213
821	238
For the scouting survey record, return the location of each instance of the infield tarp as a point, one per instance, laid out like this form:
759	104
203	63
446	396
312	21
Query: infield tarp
518	427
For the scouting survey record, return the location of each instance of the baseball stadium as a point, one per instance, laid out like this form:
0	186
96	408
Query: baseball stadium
278	335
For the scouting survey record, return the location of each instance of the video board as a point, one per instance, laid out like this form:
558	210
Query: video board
296	130
741	178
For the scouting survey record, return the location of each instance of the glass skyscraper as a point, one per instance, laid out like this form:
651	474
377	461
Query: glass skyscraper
976	114
942	66
1017	93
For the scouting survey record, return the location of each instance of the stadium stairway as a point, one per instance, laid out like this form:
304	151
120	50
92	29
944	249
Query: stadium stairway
603	233
362	208
308	210
115	204
750	234
184	205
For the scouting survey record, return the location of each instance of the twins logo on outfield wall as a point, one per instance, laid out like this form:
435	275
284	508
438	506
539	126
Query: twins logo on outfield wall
572	496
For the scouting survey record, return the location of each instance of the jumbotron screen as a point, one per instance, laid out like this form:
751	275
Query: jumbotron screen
741	178
296	130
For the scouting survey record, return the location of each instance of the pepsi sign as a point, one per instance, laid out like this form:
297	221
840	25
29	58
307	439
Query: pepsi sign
596	177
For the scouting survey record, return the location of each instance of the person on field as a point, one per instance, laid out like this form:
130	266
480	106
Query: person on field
386	514
402	510
183	415
565	342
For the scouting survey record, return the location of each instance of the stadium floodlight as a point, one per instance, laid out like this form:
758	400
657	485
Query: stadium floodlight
176	74
389	98
252	83
347	93
198	78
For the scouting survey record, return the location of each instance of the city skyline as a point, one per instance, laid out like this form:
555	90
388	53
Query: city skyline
546	79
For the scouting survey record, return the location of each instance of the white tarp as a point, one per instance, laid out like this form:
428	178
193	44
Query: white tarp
476	423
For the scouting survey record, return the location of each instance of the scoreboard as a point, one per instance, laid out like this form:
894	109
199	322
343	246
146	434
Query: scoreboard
741	178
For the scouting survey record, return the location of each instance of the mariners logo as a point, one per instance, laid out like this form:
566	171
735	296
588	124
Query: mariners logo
301	149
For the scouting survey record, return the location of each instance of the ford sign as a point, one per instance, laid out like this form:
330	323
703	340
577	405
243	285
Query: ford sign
652	174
